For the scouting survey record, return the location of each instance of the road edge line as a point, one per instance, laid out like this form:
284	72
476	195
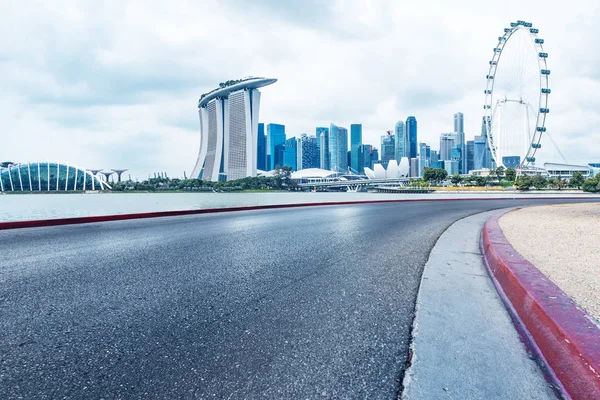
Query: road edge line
158	214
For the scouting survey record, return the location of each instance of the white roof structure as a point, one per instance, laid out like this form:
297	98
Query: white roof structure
394	171
314	173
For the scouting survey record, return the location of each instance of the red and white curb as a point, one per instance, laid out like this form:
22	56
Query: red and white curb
565	336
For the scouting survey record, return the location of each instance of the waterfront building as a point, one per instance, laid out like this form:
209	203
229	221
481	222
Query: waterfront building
290	154
388	148
366	151
338	148
411	133
470	148
479	153
401	141
261	152
48	177
229	130
275	145
322	134
355	147
459	125
447	142
309	152
392	170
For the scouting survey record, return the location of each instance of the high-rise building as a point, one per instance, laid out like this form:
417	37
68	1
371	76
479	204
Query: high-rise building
355	143
374	155
365	153
414	167
323	141
424	157
338	148
451	167
401	141
411	133
489	159
388	148
447	142
479	153
459	125
309	152
275	145
261	154
229	130
290	155
470	147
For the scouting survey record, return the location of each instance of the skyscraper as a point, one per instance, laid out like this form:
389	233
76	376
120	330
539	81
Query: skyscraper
261	154
290	155
275	145
488	159
401	141
355	143
388	148
447	142
229	130
323	142
479	152
424	157
338	148
459	124
470	147
411	133
309	152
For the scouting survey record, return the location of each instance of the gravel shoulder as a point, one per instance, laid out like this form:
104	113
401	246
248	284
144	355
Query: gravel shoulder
563	242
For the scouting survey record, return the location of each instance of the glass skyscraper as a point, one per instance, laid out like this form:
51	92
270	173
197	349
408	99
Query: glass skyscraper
459	125
470	147
261	154
338	148
401	139
355	143
388	148
275	145
424	157
309	151
323	142
290	154
447	143
411	133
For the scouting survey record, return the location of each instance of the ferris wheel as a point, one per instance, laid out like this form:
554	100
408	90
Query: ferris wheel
516	96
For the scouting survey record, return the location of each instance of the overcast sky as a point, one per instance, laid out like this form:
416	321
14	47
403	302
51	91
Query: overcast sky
115	84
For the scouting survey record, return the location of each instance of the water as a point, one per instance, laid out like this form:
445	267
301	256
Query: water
47	206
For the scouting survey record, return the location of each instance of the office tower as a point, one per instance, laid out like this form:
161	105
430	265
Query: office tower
323	141
414	167
401	141
374	155
310	152
229	130
451	166
447	142
411	133
489	161
424	157
261	154
290	155
470	147
365	153
434	156
355	143
275	145
388	148
459	124
338	148
479	152
299	152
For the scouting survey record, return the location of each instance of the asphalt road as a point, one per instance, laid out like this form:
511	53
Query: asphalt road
312	302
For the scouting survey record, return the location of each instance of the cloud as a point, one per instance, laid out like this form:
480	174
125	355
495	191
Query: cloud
115	84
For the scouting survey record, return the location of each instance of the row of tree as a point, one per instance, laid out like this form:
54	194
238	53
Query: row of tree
280	181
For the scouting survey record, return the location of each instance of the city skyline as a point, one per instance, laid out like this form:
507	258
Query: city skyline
114	84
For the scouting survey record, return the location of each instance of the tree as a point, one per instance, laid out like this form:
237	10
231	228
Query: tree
500	172
591	185
577	180
524	182
434	175
539	182
456	179
510	174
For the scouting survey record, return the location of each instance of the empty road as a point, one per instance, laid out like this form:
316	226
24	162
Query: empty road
313	302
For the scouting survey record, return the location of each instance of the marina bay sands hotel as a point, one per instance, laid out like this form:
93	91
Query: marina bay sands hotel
229	130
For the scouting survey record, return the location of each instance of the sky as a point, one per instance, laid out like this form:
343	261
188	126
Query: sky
115	84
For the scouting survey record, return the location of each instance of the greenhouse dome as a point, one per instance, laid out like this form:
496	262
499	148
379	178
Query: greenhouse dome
47	177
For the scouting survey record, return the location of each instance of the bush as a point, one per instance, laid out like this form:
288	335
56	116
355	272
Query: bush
591	185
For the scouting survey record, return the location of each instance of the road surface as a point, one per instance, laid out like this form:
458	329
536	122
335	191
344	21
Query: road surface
313	302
